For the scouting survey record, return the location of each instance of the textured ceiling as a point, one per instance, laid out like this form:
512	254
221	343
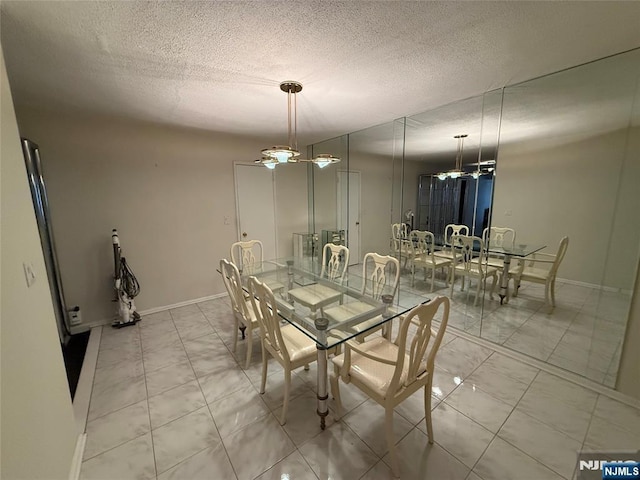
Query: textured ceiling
217	65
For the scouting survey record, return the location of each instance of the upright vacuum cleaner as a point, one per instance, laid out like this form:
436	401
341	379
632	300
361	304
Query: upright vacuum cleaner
126	287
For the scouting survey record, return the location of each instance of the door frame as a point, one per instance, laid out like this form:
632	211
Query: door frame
237	200
339	208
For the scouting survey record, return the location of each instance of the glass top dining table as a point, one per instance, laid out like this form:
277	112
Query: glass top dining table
329	312
521	250
303	297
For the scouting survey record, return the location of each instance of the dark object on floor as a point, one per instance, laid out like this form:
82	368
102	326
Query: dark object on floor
73	354
136	319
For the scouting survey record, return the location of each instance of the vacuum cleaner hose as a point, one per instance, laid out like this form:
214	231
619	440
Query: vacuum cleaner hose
128	281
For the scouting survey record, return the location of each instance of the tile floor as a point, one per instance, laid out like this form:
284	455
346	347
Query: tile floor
583	334
170	401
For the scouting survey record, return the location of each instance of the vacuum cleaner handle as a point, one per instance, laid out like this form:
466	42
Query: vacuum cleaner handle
116	253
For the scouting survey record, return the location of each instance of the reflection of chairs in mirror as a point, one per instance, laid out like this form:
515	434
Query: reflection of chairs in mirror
286	344
542	268
243	314
380	276
423	244
498	237
388	374
335	260
465	250
399	238
449	231
446	250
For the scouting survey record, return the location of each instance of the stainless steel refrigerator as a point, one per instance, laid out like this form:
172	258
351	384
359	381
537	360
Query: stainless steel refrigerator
43	217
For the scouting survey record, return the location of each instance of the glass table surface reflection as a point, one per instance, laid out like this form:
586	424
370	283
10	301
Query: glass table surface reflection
303	296
521	251
329	312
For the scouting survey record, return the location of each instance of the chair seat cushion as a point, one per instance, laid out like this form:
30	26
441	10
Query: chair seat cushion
495	262
342	313
444	254
534	274
298	344
362	326
375	375
428	260
315	295
274	285
473	269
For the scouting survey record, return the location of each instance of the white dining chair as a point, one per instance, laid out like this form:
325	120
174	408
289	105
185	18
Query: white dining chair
335	260
469	256
390	372
248	256
449	231
286	344
424	256
244	317
399	237
542	268
380	275
500	237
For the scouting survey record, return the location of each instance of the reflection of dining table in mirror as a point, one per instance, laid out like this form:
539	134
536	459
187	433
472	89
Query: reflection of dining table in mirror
329	333
520	251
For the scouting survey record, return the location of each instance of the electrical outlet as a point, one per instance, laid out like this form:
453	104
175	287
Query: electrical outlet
29	273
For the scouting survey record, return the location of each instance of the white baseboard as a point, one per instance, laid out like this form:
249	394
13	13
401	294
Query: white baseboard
76	462
604	288
149	311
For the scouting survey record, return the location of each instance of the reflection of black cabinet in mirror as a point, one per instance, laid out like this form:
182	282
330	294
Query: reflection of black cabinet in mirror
453	200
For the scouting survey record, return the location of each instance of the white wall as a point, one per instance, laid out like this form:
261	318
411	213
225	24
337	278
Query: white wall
547	191
38	429
376	185
166	190
292	205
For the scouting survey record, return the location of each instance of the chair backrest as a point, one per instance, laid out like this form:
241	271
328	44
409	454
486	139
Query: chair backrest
380	275
399	232
265	309
549	261
453	229
423	243
501	237
233	284
335	260
247	256
467	248
420	348
562	250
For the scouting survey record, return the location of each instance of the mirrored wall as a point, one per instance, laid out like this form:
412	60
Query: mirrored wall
553	157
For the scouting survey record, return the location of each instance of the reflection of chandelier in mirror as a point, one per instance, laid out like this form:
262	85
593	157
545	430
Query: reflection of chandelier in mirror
458	172
279	154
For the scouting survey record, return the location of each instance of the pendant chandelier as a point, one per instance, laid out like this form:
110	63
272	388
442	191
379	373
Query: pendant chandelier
281	154
483	167
457	171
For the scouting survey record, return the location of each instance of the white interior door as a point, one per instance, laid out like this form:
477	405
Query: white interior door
255	202
349	212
